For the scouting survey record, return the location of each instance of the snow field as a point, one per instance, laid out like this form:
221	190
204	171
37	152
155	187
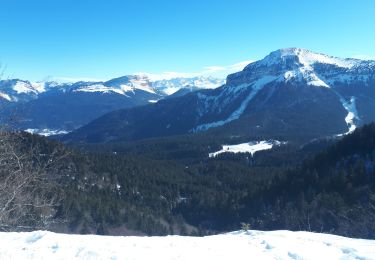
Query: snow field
251	147
236	245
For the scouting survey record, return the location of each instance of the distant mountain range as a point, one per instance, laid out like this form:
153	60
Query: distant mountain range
291	94
50	107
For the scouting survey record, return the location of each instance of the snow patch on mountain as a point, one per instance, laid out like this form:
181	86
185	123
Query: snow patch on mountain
99	88
171	86
352	116
40	87
26	87
256	87
251	147
46	132
236	245
306	57
120	85
303	69
315	69
307	74
5	96
141	83
127	88
171	90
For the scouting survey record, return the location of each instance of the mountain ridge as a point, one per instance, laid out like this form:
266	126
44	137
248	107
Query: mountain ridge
50	107
11	88
316	93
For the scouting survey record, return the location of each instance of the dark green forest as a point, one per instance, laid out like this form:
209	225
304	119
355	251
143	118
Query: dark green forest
171	186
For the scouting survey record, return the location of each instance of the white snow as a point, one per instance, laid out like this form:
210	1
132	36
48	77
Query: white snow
141	83
352	116
144	83
46	132
5	96
40	87
236	245
134	82
251	147
127	88
171	86
171	90
153	101
302	62
22	87
99	88
131	87
306	71
308	58
25	87
256	87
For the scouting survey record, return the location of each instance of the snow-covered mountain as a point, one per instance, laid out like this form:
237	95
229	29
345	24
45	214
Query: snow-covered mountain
236	245
16	90
292	92
296	66
47	107
171	86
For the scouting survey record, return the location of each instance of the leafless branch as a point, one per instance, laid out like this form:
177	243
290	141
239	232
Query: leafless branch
29	181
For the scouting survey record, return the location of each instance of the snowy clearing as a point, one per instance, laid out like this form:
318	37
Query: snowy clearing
251	147
236	245
46	132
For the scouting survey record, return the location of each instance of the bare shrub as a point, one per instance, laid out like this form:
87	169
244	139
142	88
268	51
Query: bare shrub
31	176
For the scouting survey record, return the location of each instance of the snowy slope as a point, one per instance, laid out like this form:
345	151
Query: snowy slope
256	86
236	245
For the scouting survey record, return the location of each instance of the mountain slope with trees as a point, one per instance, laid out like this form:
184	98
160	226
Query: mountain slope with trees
127	193
293	94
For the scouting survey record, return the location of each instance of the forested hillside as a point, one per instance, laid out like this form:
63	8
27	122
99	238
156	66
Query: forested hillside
124	192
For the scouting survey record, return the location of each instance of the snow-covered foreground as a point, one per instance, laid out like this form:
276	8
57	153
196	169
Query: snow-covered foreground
236	245
251	147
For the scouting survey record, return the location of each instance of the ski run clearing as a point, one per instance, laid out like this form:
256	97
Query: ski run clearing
236	245
251	147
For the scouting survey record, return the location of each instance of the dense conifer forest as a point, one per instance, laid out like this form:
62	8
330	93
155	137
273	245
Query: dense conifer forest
155	187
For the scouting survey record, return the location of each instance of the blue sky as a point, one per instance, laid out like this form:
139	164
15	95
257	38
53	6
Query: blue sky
104	39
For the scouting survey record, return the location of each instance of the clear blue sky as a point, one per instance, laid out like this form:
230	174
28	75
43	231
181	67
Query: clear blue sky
108	38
